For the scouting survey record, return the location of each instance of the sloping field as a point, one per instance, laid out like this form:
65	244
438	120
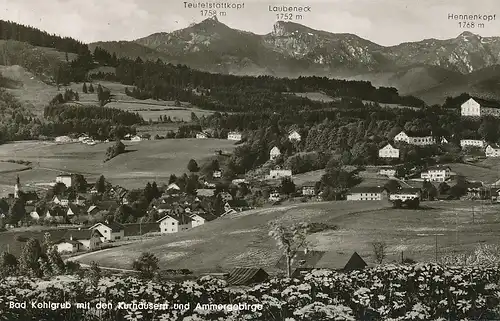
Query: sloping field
476	173
145	161
242	240
316	96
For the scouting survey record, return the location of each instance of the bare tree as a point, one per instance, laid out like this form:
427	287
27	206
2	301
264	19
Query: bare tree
379	251
290	239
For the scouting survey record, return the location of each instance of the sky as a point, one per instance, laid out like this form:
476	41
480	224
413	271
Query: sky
386	22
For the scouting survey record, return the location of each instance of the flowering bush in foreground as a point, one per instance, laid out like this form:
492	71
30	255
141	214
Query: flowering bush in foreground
391	292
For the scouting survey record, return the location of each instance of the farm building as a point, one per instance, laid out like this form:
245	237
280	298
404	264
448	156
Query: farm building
309	190
387	171
278	173
367	193
476	107
202	135
415	139
68	246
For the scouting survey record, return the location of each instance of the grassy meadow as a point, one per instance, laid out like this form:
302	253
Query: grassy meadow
242	240
145	161
35	93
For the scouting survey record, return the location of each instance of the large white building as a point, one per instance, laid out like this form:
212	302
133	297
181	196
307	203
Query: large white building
65	179
234	136
436	174
472	142
367	193
492	151
388	152
414	140
279	173
476	107
274	153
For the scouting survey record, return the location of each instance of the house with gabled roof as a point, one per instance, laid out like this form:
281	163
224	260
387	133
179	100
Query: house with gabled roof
477	107
236	136
200	218
436	173
68	246
89	239
388	152
492	150
59	200
294	136
274	153
174	223
73	210
110	231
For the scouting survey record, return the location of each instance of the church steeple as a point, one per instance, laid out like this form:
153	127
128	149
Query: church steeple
17	187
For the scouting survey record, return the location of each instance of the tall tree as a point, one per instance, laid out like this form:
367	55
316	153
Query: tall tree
193	166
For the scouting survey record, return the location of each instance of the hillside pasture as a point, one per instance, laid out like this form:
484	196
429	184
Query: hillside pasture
477	172
145	161
242	240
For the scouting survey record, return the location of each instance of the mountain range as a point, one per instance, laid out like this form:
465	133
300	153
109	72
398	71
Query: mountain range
430	69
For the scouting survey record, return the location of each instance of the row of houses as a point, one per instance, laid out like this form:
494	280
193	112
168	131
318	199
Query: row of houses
237	136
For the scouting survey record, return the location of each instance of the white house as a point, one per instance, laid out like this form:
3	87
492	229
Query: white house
387	171
83	137
66	179
309	190
109	231
367	193
217	174
274	153
175	223
388	152
470	108
279	173
173	188
436	174
234	136
493	151
402	137
201	218
201	135
294	135
472	142
68	246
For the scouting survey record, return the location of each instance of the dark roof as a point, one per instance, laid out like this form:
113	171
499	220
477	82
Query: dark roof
68	241
367	189
474	184
83	234
75	208
355	263
238	203
181	218
115	227
246	276
416	134
302	260
487	103
134	229
107	205
206	216
409	190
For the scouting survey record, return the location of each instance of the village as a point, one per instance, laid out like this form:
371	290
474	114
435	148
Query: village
84	220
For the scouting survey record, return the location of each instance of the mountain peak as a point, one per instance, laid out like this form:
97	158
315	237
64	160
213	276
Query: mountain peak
467	34
284	28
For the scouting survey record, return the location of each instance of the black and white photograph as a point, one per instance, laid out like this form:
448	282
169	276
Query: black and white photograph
260	160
